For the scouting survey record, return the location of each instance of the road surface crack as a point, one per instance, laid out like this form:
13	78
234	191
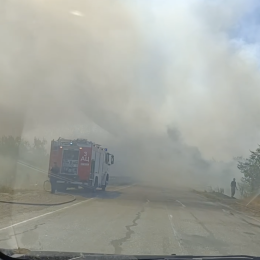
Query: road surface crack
117	243
25	231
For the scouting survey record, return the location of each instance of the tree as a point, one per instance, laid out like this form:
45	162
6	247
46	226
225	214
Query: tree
12	146
244	188
18	148
250	167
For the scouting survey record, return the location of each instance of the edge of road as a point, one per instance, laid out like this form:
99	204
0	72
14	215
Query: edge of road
240	212
222	203
60	209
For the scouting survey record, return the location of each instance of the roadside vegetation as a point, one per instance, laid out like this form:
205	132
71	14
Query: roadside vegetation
249	184
17	148
14	175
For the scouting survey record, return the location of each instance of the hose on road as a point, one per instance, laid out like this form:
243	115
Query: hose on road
45	187
38	204
73	198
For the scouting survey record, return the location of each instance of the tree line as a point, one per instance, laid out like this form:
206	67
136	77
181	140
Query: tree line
17	148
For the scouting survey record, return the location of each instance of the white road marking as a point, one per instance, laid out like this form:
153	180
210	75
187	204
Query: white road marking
54	211
175	233
181	203
75	258
45	214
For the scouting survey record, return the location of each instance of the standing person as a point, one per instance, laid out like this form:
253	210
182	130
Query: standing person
54	170
233	188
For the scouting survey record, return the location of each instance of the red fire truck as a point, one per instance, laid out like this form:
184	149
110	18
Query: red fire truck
82	163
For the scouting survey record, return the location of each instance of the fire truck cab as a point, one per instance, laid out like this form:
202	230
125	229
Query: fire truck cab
81	163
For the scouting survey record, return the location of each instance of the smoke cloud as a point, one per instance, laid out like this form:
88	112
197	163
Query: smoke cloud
162	84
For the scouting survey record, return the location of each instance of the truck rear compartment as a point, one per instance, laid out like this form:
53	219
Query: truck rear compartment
70	161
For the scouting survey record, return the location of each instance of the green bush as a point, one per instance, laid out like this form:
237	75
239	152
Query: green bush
250	167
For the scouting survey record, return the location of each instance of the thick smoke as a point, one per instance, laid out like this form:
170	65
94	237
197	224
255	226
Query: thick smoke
162	86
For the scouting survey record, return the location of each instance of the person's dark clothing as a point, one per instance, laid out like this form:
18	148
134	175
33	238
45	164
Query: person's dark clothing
233	188
54	170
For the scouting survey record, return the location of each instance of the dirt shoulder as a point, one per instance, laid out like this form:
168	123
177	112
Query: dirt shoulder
25	201
241	205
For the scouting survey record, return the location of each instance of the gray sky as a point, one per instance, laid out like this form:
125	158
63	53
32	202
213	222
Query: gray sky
112	70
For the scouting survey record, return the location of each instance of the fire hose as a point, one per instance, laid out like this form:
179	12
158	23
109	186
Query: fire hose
73	198
40	204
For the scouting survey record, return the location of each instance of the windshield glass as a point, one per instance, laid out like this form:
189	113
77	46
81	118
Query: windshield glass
130	127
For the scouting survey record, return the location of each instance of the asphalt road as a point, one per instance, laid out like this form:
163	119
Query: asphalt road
136	219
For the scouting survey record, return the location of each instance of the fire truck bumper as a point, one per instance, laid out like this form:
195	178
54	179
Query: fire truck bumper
85	184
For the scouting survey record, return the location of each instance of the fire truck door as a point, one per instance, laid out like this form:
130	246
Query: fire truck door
101	164
97	162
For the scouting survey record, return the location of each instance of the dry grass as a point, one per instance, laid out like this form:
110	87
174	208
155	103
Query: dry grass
6	189
255	202
238	204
